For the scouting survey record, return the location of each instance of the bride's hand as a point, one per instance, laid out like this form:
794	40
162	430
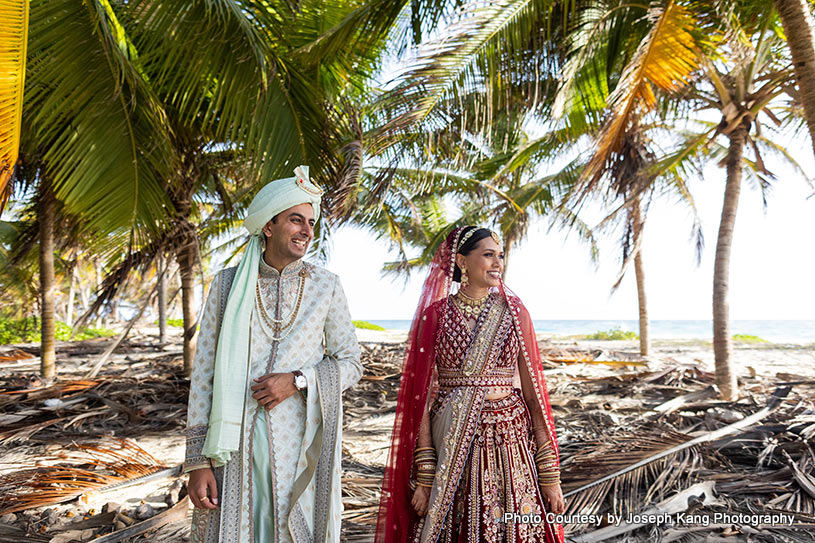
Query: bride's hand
421	499
553	496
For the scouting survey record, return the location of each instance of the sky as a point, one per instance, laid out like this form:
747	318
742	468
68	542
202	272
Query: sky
772	267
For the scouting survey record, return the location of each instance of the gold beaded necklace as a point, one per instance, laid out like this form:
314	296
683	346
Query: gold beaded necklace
470	307
276	326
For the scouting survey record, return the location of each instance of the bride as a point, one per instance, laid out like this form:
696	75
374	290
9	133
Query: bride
474	454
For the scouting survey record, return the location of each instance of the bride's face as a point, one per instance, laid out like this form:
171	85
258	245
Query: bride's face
484	264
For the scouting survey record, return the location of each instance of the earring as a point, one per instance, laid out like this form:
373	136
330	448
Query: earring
464	278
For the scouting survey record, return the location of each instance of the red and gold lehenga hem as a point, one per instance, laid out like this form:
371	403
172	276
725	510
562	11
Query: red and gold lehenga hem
498	499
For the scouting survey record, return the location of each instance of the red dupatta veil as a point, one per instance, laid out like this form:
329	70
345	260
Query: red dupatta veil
396	515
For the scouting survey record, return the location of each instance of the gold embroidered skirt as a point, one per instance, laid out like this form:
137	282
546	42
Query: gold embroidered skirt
498	498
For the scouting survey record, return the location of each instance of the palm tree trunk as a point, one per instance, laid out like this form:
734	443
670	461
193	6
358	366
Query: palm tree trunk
798	26
639	270
97	266
722	341
84	291
162	298
186	268
47	284
69	310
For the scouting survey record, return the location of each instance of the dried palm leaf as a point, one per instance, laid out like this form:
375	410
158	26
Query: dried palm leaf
632	471
627	465
42	393
91	467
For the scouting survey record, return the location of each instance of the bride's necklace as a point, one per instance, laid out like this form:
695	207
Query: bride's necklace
469	306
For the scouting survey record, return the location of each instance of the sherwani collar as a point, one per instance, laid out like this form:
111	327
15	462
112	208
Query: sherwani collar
291	269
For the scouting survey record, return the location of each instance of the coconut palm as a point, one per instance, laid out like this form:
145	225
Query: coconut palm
101	88
621	58
496	183
746	88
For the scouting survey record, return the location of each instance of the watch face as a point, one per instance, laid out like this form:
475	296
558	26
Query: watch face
300	381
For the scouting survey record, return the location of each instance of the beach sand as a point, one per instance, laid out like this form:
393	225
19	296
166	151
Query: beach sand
582	413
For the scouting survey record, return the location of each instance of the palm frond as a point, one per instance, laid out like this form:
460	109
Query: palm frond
14	38
486	38
635	470
601	467
665	60
92	121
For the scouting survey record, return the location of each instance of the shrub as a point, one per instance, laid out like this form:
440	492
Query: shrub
29	330
745	338
178	323
367	325
613	334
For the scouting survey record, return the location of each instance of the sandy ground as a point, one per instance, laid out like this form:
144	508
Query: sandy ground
367	433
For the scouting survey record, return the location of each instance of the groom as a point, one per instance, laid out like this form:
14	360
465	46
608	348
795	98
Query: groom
275	351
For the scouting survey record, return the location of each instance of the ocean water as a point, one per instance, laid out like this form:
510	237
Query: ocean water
776	331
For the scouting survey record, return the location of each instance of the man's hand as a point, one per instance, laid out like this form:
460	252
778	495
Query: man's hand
273	388
421	499
202	489
553	496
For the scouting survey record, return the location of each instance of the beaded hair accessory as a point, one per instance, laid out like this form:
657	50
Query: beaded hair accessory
469	234
495	237
463	239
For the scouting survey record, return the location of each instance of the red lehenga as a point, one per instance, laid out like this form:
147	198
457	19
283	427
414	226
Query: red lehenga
485	471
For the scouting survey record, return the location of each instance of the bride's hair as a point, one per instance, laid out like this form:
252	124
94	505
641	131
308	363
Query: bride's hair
469	244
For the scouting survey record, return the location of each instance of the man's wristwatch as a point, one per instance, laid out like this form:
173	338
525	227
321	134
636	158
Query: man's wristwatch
300	381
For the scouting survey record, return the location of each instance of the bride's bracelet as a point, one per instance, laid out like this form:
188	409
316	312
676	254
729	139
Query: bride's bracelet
545	481
547	466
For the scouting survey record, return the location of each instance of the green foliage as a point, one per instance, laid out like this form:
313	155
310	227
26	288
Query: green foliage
614	334
178	323
746	338
367	325
28	331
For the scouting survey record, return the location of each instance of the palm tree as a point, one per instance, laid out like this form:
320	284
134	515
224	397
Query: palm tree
621	59
745	88
100	87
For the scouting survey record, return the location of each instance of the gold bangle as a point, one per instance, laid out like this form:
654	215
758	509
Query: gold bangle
418	449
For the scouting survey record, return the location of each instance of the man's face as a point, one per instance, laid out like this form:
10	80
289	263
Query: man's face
288	236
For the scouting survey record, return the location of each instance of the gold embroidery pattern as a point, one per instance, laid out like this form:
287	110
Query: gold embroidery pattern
487	338
499	478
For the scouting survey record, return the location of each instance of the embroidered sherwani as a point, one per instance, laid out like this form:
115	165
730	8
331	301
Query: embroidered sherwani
283	484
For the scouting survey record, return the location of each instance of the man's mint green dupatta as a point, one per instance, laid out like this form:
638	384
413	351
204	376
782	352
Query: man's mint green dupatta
230	381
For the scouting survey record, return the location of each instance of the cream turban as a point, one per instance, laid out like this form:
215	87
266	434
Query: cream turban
229	389
279	196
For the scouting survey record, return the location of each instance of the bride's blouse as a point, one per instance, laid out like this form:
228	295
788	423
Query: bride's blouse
452	341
